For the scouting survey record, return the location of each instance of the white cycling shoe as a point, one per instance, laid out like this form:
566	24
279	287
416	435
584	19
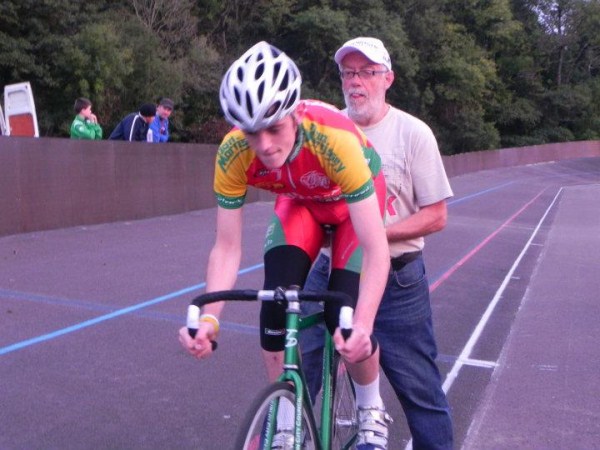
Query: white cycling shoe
283	440
373	428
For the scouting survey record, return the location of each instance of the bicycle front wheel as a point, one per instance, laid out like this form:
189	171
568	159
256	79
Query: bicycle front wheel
252	433
344	420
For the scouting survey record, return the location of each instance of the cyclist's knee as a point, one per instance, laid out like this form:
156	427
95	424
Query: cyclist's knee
286	265
341	280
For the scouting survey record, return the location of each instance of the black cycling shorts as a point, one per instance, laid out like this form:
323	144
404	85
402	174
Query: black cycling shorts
287	266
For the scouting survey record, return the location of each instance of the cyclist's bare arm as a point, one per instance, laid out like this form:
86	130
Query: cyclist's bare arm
223	265
368	226
225	256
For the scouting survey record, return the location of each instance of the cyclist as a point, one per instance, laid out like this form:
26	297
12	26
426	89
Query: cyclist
324	172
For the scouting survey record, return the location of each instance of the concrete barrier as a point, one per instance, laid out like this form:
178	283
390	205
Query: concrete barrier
48	183
508	157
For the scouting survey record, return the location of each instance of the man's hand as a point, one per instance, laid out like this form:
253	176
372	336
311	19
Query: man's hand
200	346
358	346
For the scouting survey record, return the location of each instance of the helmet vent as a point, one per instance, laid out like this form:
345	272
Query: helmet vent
291	100
249	105
232	114
285	81
260	69
273	109
261	91
275	52
276	70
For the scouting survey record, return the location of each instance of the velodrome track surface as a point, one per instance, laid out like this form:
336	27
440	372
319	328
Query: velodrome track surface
89	356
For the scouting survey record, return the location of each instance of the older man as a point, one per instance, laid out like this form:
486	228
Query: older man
417	189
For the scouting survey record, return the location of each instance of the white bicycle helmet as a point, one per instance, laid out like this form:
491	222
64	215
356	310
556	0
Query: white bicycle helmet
260	88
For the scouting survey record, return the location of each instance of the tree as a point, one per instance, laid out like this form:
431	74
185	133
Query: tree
457	76
568	52
33	36
482	73
173	21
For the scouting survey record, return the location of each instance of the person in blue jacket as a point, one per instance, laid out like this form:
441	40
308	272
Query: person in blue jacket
134	127
160	124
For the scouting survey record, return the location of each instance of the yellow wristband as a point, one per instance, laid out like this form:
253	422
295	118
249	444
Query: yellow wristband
210	319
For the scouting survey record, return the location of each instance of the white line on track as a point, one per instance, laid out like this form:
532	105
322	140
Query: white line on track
464	356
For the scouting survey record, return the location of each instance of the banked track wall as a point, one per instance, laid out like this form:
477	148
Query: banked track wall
48	183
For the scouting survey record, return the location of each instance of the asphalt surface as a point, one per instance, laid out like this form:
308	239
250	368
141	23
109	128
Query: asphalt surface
89	356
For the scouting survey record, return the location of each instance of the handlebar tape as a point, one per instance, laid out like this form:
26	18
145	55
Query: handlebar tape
278	294
346	321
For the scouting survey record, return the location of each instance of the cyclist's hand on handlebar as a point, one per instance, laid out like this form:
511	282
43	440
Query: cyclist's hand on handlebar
358	346
200	346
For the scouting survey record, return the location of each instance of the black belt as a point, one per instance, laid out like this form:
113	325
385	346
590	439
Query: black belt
399	262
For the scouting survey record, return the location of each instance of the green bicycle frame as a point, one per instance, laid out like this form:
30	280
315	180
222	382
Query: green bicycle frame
293	376
327	377
292	373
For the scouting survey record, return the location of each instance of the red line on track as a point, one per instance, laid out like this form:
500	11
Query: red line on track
482	244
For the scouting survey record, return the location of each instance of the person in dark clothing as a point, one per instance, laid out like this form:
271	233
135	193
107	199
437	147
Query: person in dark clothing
134	127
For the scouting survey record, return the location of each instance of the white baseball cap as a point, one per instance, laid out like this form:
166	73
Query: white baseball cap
370	47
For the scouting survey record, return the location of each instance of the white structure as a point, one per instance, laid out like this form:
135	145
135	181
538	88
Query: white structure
3	129
20	118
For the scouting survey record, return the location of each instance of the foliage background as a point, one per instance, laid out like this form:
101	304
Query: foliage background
482	73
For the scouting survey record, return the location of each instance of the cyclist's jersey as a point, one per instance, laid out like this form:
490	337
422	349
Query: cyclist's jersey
332	164
327	163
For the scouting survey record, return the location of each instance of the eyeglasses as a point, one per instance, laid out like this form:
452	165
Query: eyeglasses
363	74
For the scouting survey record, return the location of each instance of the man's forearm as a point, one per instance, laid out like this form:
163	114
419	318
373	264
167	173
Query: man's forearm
428	220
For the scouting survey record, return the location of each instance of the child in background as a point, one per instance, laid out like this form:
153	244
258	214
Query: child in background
85	125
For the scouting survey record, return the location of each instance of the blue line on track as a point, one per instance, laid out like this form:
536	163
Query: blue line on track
118	313
39	298
154	301
477	194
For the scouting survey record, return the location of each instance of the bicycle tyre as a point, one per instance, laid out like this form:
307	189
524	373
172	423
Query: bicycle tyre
344	422
249	437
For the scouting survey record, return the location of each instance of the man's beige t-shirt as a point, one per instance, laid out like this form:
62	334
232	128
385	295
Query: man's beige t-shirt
413	169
